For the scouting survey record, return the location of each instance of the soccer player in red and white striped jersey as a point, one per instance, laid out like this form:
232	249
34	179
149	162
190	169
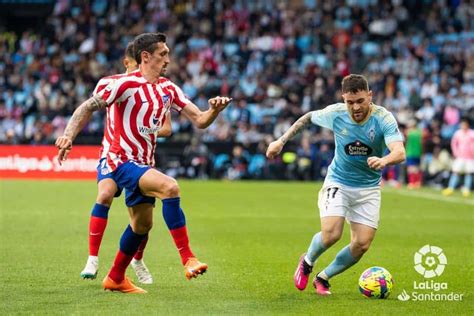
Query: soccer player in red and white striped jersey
140	102
108	189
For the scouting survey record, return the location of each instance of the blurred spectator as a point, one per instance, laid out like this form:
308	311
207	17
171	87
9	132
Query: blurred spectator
238	164
462	146
414	149
436	167
196	159
303	159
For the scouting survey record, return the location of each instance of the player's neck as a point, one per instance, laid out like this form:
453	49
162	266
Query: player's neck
149	74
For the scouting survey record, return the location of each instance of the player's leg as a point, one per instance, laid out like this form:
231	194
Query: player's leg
458	167
331	232
331	203
364	217
413	173
466	190
141	221
362	237
141	270
156	184
107	188
468	171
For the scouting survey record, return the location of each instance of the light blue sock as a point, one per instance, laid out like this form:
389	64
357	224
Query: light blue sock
343	261
316	248
468	181
453	181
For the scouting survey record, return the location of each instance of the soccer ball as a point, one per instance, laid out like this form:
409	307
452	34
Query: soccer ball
376	282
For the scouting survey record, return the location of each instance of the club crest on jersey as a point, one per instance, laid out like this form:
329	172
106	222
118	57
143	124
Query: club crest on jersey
357	149
165	98
372	134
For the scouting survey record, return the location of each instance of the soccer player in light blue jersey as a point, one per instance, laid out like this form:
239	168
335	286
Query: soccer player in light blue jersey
351	190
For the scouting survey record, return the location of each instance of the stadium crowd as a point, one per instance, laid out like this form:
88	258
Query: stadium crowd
277	59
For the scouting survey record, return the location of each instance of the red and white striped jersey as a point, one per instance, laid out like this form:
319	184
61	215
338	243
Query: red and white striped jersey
109	116
139	111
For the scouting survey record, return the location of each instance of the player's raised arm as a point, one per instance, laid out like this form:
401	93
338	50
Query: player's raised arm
79	118
275	147
202	119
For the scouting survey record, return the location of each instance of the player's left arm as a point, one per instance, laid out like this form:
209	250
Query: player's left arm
166	130
394	140
202	119
397	155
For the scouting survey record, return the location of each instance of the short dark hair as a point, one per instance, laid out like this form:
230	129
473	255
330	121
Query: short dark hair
129	51
466	120
147	42
354	83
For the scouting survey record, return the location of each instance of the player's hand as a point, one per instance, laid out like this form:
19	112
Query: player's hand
376	163
64	144
274	149
219	103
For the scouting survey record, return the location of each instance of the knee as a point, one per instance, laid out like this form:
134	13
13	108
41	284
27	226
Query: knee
171	189
360	247
105	197
142	227
330	237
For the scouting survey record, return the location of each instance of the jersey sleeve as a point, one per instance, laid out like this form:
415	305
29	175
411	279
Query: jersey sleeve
179	98
104	82
390	129
325	117
116	91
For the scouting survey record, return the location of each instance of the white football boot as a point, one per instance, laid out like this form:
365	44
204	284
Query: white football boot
142	272
91	268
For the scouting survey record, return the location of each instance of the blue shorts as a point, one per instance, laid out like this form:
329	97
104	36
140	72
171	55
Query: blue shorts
104	173
412	161
127	176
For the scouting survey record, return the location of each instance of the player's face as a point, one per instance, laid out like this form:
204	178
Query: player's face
159	60
358	104
130	64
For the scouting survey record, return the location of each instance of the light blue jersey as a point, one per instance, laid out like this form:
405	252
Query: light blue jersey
356	142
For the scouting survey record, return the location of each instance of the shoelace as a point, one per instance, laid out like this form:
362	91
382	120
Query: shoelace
142	272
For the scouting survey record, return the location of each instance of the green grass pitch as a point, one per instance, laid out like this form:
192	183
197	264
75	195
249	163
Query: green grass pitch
250	233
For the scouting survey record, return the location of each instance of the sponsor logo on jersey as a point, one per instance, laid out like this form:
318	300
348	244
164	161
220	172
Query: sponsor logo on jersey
148	130
357	148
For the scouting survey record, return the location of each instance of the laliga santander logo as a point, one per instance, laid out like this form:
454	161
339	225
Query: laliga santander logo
430	261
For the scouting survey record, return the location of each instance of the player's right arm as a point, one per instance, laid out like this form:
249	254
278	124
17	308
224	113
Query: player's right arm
276	147
79	118
323	118
114	92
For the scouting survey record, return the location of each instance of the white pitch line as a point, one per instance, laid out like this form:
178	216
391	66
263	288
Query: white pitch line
430	196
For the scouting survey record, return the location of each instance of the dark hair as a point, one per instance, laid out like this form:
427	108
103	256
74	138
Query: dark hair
129	51
465	119
354	83
146	42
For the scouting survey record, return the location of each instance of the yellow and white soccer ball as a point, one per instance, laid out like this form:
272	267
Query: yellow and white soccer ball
376	282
